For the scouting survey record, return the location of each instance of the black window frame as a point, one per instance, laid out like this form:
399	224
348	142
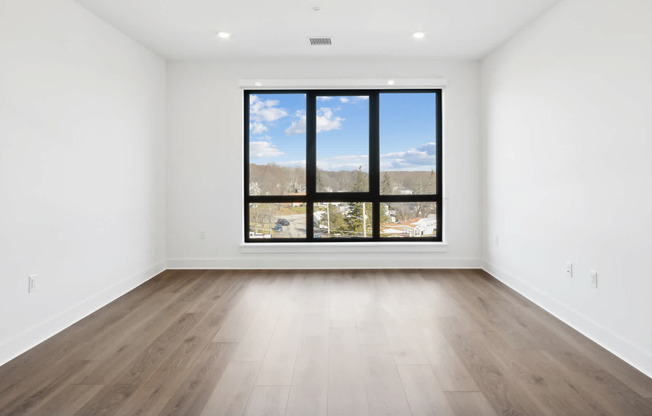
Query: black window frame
373	195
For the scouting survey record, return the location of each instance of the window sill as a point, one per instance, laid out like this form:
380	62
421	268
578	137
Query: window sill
371	247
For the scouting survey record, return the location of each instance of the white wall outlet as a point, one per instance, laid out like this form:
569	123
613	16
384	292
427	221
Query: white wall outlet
202	235
569	269
594	278
32	283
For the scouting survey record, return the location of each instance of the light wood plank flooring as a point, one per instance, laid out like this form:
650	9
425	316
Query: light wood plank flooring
312	343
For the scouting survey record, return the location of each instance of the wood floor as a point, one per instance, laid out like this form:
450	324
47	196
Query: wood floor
349	343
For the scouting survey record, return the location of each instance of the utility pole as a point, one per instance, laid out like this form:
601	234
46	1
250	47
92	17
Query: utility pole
328	217
364	219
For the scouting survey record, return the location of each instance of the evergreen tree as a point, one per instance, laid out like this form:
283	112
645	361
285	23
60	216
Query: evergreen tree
337	222
355	218
361	181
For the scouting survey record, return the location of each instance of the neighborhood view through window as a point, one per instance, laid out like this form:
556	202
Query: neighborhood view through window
343	165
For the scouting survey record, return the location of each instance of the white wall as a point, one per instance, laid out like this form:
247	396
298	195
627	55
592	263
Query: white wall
82	167
206	162
567	125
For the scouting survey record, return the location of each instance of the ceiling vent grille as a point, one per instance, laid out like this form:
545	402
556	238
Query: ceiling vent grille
320	41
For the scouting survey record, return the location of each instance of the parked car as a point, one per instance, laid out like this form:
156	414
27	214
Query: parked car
278	227
283	222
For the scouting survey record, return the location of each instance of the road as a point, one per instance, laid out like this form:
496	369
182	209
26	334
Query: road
296	229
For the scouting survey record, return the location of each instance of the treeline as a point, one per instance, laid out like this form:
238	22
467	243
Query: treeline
272	179
417	182
342	181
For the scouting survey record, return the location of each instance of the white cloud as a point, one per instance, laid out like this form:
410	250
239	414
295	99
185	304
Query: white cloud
298	126
257	128
345	99
262	113
263	149
326	121
265	110
421	158
429	148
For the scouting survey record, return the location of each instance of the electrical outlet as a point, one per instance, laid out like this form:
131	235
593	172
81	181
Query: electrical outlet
32	283
202	235
594	278
569	269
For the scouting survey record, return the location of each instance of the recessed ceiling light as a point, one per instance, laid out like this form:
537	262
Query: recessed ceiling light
390	82
258	84
223	35
418	35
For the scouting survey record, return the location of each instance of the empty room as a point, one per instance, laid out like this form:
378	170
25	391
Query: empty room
307	208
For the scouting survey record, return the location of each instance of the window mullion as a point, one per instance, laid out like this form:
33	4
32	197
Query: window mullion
311	161
374	162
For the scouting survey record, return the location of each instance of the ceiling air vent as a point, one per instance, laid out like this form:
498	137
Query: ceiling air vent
320	41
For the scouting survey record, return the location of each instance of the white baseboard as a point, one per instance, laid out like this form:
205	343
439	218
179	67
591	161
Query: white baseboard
18	344
302	262
634	355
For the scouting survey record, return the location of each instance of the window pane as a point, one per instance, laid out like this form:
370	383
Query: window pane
278	220
342	144
277	144
408	143
342	220
408	219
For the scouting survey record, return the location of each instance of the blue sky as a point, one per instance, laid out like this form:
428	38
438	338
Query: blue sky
407	131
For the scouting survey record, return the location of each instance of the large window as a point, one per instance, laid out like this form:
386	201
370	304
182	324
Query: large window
361	165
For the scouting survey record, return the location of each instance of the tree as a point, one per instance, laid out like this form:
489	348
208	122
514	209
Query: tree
384	215
358	214
386	185
403	211
425	185
268	211
320	183
385	189
337	223
359	217
361	183
261	217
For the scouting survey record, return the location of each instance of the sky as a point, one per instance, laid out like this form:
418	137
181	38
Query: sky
407	131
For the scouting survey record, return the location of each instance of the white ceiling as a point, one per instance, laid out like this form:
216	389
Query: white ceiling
185	29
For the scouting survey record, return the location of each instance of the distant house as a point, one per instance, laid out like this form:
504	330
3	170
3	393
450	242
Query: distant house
413	227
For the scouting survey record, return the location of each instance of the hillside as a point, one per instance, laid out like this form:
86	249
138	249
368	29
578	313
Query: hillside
273	179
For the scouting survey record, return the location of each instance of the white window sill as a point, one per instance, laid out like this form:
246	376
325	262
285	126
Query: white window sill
342	247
